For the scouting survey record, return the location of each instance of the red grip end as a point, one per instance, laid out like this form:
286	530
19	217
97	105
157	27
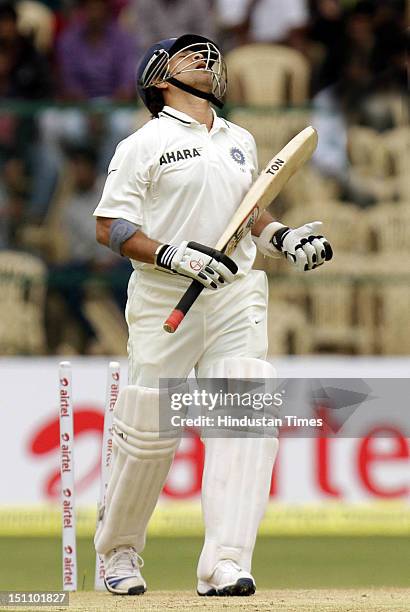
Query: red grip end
173	321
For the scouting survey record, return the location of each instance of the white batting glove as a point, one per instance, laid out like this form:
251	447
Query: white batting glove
304	246
209	266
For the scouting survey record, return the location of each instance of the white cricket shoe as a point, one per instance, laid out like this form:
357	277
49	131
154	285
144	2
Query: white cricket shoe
227	579
122	571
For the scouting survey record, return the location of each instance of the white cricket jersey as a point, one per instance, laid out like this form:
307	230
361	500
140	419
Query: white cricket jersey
180	182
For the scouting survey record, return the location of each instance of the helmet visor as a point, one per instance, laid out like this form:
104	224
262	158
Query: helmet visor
188	54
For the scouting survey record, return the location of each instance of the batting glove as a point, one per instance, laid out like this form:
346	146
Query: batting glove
197	261
304	246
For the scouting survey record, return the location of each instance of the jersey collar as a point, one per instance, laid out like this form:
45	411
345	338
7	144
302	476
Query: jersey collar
185	119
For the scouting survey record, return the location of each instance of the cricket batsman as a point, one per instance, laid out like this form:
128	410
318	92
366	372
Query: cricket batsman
172	187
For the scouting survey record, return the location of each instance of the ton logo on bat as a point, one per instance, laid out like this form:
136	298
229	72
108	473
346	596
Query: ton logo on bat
277	164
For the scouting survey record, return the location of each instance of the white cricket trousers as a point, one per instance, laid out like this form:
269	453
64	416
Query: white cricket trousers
227	322
230	322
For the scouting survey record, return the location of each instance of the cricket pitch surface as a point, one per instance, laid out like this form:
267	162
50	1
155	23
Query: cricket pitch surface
283	600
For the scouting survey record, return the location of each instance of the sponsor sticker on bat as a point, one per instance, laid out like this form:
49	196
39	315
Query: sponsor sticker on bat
275	166
244	228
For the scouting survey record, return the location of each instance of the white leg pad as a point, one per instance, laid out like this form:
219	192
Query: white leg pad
236	482
140	465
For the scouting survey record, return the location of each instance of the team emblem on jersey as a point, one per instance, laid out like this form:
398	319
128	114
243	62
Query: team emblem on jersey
238	156
174	156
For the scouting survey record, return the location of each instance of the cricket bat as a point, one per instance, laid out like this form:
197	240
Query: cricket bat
263	191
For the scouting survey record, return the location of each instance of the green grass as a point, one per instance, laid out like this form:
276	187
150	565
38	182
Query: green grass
170	563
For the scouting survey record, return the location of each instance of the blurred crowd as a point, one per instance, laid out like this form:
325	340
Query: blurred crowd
68	96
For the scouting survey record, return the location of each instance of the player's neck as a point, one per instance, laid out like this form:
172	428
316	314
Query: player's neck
198	109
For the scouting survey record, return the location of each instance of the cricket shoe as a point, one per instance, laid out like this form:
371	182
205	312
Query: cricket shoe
122	571
228	579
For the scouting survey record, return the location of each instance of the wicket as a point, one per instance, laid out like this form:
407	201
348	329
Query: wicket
67	478
66	418
111	394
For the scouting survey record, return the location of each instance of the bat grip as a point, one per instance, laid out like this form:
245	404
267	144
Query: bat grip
191	294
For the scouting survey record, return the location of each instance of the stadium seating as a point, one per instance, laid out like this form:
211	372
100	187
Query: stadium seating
267	75
47	238
22	304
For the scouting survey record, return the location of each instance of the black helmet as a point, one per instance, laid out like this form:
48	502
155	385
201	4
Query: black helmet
154	68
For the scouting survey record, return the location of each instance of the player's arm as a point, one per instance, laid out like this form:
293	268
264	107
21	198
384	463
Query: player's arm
120	217
137	246
261	223
208	266
305	247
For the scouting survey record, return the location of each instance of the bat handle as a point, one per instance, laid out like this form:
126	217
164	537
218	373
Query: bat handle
175	318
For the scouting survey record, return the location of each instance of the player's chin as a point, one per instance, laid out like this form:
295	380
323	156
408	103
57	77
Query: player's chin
204	83
199	80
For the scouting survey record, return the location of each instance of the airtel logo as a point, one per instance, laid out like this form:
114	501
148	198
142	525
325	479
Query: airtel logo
47	440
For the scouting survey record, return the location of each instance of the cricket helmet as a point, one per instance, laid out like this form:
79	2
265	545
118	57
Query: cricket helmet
154	68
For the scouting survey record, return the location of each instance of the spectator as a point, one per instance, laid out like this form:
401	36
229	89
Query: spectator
12	192
25	72
24	75
85	256
335	108
369	78
78	222
5	217
332	111
158	19
389	65
118	6
97	59
328	29
37	21
54	5
268	21
371	30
